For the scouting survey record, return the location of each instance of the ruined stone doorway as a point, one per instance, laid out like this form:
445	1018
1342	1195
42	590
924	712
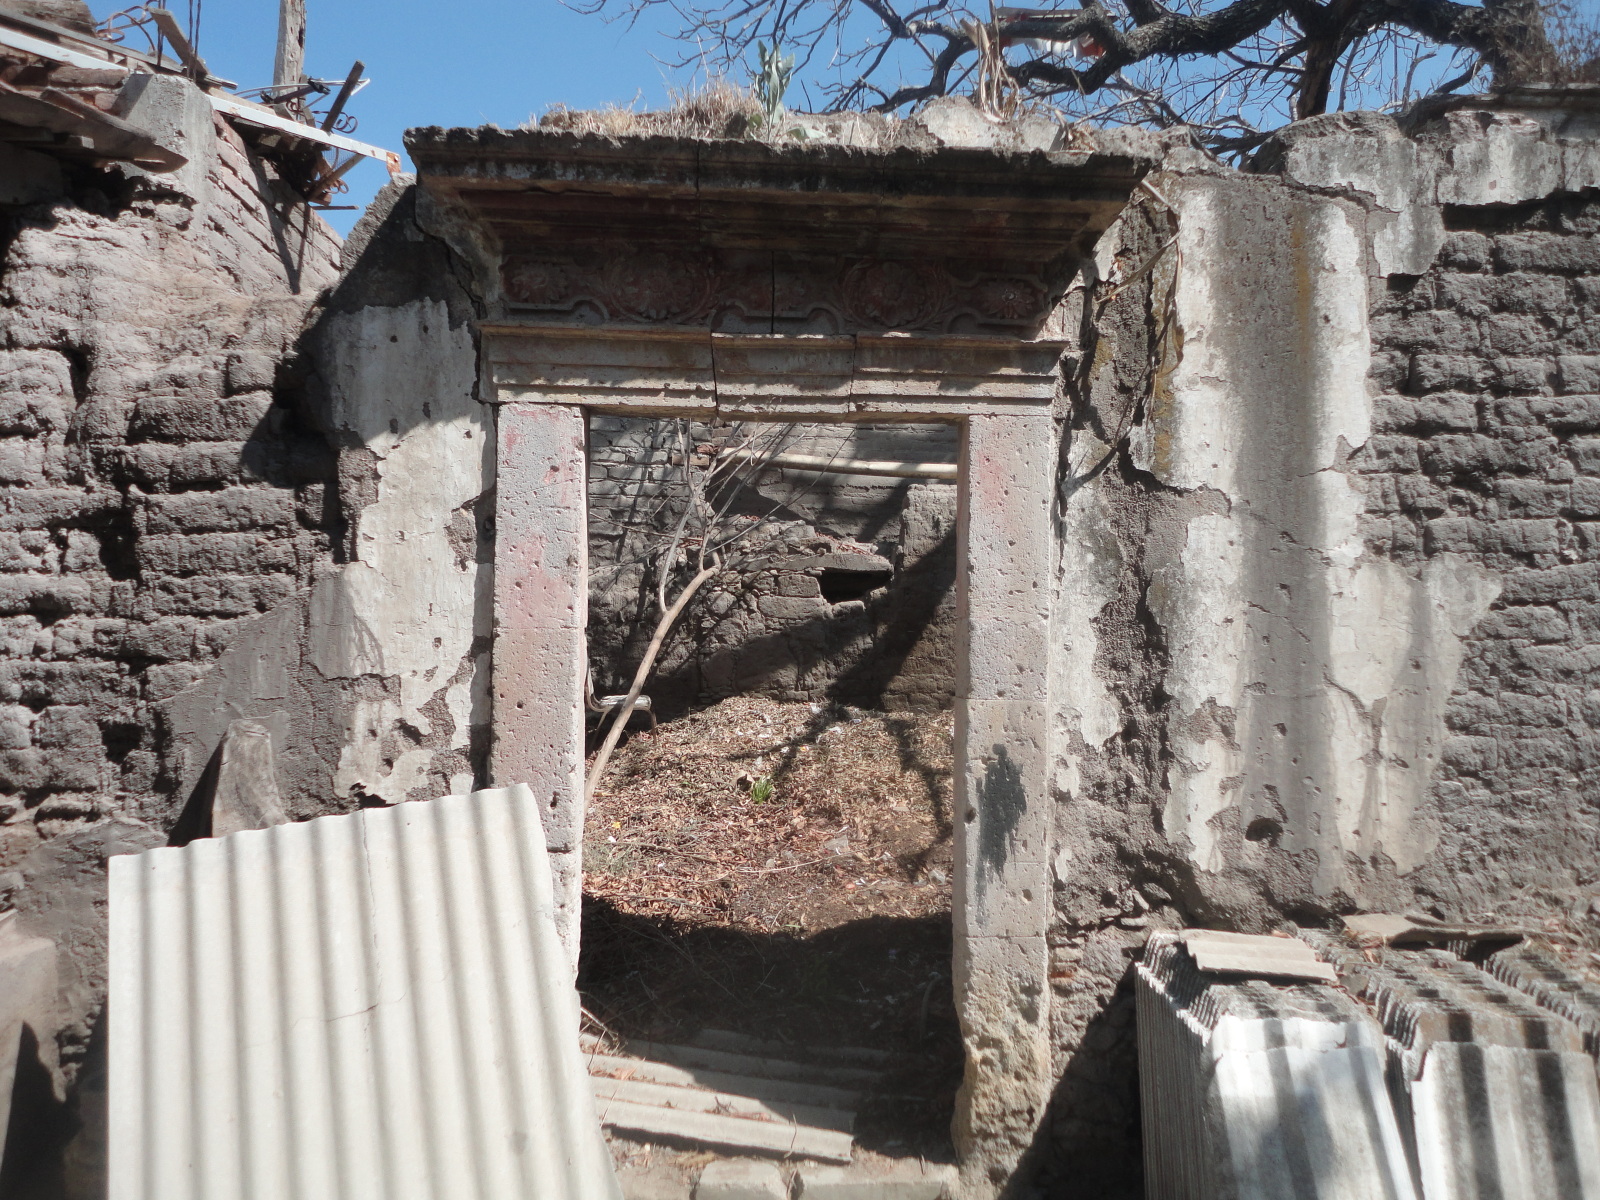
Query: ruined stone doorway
550	380
773	859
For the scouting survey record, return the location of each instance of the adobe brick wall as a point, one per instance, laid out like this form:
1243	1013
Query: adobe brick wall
160	490
1487	370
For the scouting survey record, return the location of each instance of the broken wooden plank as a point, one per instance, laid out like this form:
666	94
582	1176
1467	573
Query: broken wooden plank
780	1090
721	1132
743	1043
747	1064
694	1099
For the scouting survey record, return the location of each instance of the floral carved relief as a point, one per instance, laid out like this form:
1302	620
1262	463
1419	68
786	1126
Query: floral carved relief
895	295
658	286
752	287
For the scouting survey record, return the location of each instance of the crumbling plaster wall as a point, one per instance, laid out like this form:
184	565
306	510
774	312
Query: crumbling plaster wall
1323	635
240	477
403	622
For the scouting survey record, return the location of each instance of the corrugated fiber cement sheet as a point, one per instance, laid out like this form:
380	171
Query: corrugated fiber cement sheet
363	1007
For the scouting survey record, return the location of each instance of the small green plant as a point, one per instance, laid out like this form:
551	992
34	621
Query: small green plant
761	790
773	72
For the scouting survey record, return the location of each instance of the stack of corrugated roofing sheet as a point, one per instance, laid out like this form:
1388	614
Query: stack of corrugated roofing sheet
1260	1090
1535	972
1502	1099
364	1007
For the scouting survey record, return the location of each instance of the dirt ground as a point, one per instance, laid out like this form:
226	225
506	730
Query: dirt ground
783	870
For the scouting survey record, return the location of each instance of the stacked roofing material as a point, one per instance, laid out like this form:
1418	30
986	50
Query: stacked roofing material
1536	972
1259	1080
1499	1097
364	1007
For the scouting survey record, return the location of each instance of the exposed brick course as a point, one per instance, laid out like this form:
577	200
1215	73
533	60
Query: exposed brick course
154	473
1489	412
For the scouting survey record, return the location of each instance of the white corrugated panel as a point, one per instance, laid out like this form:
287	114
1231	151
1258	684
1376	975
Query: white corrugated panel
363	1007
1258	1091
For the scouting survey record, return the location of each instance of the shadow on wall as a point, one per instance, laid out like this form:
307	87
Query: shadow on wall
34	1167
1089	1142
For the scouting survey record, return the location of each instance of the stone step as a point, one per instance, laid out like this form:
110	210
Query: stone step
720	1131
694	1099
909	1180
774	1091
742	1043
741	1179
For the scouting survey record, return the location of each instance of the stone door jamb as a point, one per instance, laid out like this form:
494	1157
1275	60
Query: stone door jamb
546	379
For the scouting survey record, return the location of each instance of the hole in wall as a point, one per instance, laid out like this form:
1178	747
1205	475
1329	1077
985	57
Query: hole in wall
1264	829
840	584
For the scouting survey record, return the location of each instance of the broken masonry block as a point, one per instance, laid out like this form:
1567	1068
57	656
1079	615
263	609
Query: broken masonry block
740	1179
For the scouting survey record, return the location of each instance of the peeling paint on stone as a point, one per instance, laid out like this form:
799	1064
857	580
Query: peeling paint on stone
405	609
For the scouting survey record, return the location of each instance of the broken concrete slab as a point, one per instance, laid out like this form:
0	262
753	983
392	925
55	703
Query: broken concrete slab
736	1179
1259	1090
720	1132
696	1099
1258	957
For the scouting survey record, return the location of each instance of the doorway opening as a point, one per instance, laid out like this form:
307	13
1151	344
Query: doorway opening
774	858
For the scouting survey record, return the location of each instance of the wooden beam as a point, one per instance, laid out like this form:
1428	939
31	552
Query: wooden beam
168	25
289	66
351	82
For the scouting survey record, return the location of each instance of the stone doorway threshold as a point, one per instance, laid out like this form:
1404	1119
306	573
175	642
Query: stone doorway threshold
731	1117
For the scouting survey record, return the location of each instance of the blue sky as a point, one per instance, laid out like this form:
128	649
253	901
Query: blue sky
477	61
463	63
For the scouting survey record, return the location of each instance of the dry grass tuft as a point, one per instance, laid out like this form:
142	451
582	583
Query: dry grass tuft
1575	38
718	109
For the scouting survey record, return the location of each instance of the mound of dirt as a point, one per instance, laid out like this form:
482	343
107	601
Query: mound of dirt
773	817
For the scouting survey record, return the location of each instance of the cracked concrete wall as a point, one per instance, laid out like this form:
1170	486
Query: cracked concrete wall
1322	616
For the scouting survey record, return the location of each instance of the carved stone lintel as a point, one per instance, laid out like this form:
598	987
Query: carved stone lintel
734	289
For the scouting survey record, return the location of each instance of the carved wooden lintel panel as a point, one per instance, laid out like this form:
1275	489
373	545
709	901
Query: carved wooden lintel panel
767	292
